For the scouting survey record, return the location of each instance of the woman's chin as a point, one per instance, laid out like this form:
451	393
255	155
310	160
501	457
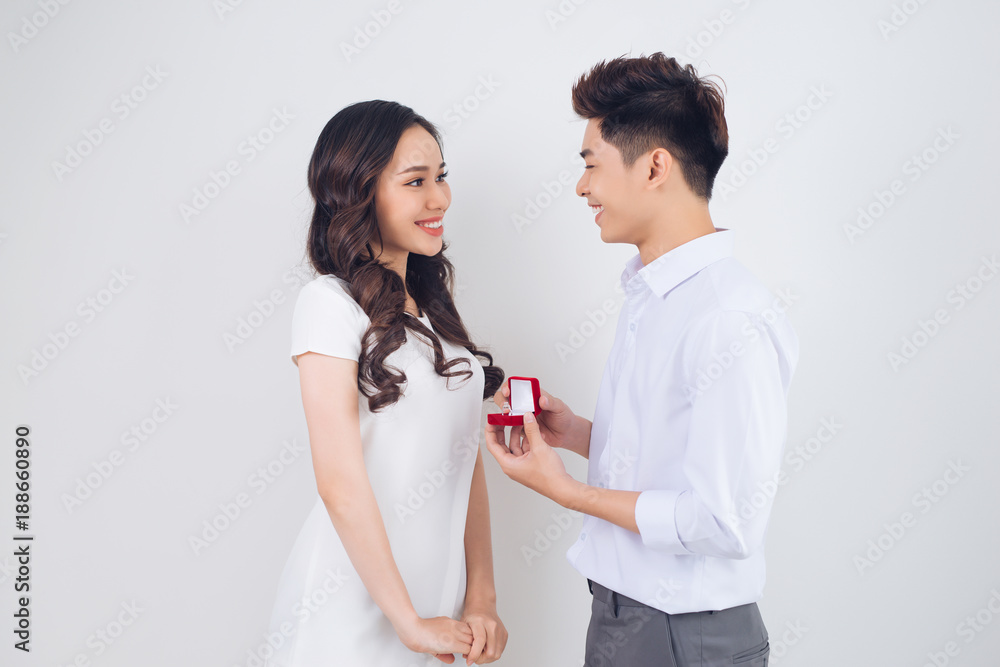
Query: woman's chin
430	248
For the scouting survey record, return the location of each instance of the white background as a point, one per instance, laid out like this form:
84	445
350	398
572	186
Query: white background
523	292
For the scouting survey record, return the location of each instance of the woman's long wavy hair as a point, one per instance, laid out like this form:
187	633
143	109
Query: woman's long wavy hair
351	153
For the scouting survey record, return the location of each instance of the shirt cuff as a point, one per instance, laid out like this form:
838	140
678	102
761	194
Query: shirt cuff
654	516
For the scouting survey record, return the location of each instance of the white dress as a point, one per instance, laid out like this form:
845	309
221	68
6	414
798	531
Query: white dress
419	454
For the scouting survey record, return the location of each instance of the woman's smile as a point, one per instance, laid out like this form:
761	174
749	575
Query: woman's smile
433	226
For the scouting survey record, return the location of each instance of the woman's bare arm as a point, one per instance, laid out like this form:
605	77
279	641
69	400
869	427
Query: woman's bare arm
480	589
330	399
489	633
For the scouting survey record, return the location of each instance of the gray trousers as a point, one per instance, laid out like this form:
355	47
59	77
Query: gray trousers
627	633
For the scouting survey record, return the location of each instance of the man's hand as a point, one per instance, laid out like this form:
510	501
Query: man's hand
556	422
540	469
535	465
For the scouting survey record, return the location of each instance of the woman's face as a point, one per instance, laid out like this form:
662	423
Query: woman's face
411	195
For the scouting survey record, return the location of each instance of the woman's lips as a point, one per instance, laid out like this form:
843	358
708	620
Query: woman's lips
436	230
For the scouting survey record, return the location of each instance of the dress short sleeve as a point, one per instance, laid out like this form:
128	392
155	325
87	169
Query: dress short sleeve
327	320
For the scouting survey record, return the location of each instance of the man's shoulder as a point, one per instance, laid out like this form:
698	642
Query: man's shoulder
729	300
729	286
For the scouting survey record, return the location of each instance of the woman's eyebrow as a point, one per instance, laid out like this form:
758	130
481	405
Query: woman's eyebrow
419	168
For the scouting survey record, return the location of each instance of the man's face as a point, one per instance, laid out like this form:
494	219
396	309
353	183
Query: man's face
613	192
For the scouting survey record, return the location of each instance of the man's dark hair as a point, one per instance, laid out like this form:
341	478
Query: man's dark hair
652	102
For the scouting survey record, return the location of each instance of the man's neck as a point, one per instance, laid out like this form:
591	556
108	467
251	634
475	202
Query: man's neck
674	229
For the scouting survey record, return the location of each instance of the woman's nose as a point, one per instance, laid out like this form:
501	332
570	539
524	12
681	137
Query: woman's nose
438	198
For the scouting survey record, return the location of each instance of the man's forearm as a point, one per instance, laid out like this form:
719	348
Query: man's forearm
578	438
612	505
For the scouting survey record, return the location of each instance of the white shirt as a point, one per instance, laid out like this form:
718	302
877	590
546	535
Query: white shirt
692	413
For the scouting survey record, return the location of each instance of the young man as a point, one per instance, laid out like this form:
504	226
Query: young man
690	424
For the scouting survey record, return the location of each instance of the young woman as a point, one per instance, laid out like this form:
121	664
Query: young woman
395	559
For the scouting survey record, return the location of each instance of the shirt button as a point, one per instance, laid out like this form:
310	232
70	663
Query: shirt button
583	536
631	327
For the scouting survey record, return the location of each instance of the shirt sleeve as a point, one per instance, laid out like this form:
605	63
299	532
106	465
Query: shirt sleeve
328	321
737	380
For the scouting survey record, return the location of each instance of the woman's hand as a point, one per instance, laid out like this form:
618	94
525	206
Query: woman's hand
441	636
489	634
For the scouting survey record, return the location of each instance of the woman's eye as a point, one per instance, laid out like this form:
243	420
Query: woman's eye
589	166
420	181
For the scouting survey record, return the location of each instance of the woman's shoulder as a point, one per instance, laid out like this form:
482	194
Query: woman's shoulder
327	289
325	283
330	282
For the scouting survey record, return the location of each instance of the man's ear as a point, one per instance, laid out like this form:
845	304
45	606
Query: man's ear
659	163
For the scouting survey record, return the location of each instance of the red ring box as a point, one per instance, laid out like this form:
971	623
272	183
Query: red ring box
524	395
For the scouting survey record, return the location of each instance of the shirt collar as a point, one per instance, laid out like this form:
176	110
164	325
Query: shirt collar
675	266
